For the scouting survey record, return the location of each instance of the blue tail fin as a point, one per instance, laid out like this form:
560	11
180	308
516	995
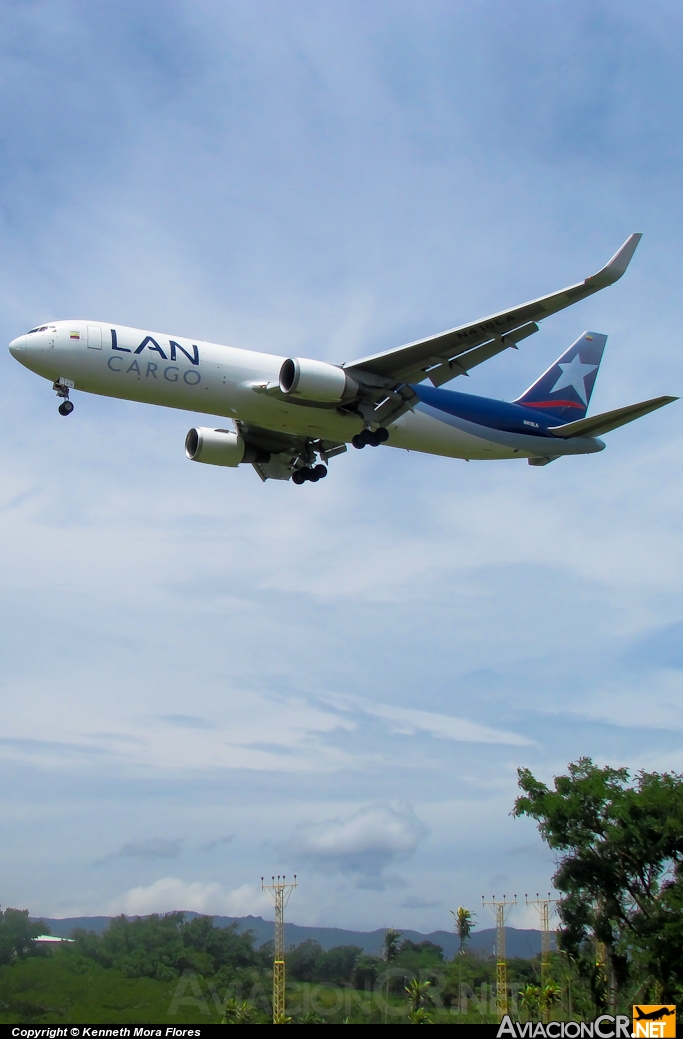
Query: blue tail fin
564	390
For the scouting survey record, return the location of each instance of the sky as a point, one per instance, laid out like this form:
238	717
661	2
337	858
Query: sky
205	679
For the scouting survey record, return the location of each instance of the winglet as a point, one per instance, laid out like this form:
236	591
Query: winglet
613	270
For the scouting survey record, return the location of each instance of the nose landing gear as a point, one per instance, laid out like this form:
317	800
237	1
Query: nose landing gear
368	437
61	388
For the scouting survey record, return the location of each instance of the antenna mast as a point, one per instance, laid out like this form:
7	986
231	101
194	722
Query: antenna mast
500	909
280	892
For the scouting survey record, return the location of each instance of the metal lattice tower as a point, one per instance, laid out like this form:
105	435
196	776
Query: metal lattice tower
543	905
500	909
280	892
602	967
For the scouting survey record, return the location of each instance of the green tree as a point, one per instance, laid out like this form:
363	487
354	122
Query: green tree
308	961
304	960
530	1001
163	946
418	995
390	947
464	921
620	871
549	997
338	963
365	971
237	1012
390	944
17	933
415	959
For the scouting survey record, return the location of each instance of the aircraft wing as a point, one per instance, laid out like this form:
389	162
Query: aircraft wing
284	449
442	357
596	425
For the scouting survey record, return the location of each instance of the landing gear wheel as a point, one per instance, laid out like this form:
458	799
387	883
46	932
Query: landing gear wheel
306	473
66	408
368	436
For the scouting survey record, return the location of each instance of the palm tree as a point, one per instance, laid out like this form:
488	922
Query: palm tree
237	1013
530	1001
390	944
464	921
390	950
418	994
549	997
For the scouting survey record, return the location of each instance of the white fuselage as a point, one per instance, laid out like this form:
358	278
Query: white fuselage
176	372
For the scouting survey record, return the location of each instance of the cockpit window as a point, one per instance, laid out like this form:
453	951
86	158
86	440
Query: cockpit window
43	328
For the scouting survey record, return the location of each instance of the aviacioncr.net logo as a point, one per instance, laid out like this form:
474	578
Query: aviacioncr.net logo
654	1020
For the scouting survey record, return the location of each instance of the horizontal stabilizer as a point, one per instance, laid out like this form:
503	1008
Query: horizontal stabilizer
596	425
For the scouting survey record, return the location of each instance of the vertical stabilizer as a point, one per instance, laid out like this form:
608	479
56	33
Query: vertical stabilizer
564	390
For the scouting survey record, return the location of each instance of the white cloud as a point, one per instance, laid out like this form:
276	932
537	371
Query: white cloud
653	700
407	721
248	730
363	843
169	893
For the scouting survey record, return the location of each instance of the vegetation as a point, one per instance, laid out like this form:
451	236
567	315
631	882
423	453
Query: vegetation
17	933
538	1001
620	873
66	987
620	877
392	940
162	947
464	921
168	969
309	962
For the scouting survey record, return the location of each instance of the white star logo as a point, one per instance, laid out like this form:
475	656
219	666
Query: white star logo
574	374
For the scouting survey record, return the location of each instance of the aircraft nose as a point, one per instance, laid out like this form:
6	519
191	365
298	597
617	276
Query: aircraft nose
17	347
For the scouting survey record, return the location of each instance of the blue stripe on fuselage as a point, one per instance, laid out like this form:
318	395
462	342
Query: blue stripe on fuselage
484	411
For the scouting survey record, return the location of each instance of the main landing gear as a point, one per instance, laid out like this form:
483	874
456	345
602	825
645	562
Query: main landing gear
368	437
309	473
62	390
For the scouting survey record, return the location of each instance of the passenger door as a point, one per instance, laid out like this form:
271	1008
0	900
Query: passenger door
94	337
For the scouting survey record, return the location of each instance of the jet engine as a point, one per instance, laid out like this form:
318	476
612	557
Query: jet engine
221	447
316	381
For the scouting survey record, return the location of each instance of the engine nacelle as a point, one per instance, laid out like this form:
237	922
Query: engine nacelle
221	447
316	381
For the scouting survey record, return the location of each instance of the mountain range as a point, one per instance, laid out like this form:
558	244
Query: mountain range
522	943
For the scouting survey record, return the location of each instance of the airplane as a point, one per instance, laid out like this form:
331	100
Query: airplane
654	1015
288	412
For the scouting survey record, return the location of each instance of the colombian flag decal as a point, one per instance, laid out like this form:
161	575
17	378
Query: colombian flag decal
74	335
